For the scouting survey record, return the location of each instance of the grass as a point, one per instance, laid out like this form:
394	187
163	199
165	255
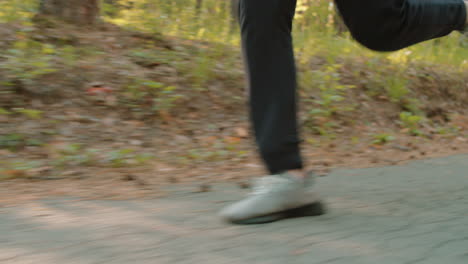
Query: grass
383	138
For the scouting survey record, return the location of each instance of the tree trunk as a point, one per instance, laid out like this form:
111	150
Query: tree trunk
80	12
198	7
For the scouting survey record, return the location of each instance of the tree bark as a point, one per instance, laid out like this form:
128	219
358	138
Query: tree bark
198	7
80	12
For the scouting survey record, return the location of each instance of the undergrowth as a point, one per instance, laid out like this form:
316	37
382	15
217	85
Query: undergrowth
326	88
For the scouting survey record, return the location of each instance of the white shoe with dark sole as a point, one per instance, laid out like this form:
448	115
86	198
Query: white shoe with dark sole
273	198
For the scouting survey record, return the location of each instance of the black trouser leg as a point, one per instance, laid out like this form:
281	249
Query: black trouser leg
267	45
383	25
388	25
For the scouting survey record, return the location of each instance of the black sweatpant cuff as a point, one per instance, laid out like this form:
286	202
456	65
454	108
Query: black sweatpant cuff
281	163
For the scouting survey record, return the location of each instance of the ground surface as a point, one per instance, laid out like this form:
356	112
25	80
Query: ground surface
414	213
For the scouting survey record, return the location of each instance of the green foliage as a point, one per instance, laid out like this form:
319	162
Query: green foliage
385	79
12	169
17	10
317	28
82	159
381	139
388	81
206	156
73	154
119	158
152	57
201	72
396	87
4	111
411	122
76	155
449	131
30	113
71	149
12	141
17	141
355	140
26	61
196	65
331	91
150	95
159	15
329	99
127	157
69	55
218	150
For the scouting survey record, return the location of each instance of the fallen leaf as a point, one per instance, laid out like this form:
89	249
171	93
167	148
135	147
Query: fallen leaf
165	116
376	146
242	132
209	140
14	174
232	140
99	90
4	152
193	115
134	123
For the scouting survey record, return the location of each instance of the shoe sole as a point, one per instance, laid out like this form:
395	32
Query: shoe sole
313	209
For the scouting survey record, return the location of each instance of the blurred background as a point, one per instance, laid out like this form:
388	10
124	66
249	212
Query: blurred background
117	97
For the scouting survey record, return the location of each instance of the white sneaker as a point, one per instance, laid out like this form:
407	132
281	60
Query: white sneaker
273	198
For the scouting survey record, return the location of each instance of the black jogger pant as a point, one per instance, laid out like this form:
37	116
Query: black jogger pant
382	25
